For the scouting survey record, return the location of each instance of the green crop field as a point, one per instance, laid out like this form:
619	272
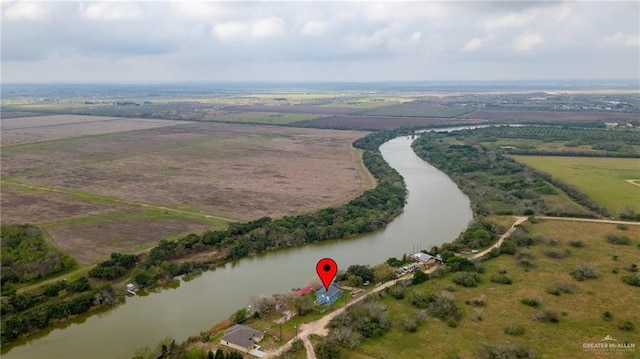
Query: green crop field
603	179
268	118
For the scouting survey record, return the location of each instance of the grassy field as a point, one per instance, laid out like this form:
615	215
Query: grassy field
581	313
603	179
419	109
268	118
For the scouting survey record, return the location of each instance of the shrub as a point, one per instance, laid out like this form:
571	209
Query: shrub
633	268
438	272
327	350
502	271
419	277
420	299
443	306
626	325
567	287
615	270
502	279
622	227
479	301
487	351
508	247
532	301
396	291
620	240
546	316
577	244
53	289
525	259
514	329
547	241
583	272
607	316
466	279
297	345
633	279
410	325
556	253
553	291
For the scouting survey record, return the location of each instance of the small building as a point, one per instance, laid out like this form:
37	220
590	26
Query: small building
242	338
328	297
421	257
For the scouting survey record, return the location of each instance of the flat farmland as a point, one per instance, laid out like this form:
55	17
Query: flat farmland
48	128
90	239
128	190
322	110
603	179
523	115
419	109
364	122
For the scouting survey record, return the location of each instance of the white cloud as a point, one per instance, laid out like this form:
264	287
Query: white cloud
473	44
269	27
508	21
526	42
314	28
621	39
111	11
261	29
416	36
231	31
24	11
200	9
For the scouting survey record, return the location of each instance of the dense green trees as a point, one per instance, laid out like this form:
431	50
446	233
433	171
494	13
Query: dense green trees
27	312
114	267
27	257
495	183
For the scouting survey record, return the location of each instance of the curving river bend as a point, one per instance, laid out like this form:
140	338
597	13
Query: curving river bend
436	212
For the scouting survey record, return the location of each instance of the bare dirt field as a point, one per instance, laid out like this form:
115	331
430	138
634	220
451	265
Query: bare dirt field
47	128
381	122
511	115
34	206
238	171
116	185
90	242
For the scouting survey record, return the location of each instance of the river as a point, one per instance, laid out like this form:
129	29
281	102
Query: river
436	212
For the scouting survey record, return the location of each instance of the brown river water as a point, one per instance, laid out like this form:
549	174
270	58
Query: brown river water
436	212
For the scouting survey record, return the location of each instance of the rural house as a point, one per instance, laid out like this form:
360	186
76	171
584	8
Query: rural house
242	338
328	297
424	259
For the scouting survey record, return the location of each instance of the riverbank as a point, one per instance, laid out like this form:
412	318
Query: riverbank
435	212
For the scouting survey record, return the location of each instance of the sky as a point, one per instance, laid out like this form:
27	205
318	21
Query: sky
357	41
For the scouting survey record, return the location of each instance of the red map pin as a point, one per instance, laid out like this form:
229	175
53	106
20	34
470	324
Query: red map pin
326	269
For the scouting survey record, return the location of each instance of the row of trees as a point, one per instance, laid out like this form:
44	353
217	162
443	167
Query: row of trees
371	210
40	314
495	183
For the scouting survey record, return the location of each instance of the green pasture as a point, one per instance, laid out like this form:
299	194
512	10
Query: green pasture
580	313
602	179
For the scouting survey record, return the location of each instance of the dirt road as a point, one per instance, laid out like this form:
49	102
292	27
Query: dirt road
319	327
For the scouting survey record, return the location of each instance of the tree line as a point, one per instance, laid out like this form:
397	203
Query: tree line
495	183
